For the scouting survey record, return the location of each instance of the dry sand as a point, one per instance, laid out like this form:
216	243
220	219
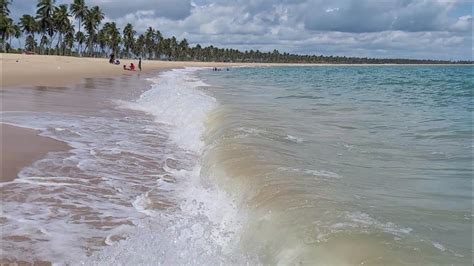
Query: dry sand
45	70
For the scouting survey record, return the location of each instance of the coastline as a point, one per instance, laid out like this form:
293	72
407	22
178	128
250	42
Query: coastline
52	70
110	159
21	145
24	76
21	71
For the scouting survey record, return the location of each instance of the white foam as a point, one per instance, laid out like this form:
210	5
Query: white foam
175	101
363	221
118	172
322	173
203	228
317	173
438	246
294	139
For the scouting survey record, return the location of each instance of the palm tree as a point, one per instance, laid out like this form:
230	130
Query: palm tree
113	37
28	25
139	44
92	20
79	11
109	36
183	49
80	39
4	7
128	38
4	20
158	46
7	30
102	40
61	23
150	42
43	42
45	15
30	43
165	47
173	47
69	39
17	34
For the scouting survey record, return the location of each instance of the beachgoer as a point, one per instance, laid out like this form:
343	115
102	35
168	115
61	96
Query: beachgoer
112	57
125	67
140	64
116	62
132	67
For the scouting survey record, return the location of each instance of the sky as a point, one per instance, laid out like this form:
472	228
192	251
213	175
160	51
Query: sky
423	29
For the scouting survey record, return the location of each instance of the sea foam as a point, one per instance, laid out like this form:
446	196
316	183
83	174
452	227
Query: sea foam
174	101
202	229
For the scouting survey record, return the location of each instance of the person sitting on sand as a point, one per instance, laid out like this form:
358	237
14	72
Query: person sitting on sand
125	67
132	67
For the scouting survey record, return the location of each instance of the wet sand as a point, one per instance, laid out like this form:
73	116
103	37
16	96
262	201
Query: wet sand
20	147
53	83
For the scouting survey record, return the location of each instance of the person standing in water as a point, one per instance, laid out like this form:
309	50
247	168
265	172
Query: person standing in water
140	64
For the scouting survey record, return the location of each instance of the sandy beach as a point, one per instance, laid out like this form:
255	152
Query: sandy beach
148	157
24	76
44	70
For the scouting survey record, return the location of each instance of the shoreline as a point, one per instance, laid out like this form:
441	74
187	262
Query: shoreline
78	103
22	72
56	71
52	70
20	147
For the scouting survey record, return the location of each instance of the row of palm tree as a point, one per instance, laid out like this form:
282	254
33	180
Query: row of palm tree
52	24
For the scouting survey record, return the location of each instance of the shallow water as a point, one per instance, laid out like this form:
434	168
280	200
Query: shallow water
356	164
133	168
281	165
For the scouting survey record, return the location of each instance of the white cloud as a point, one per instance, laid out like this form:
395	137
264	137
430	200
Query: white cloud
464	23
329	10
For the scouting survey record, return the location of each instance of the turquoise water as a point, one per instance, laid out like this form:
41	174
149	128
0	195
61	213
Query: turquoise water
346	164
320	165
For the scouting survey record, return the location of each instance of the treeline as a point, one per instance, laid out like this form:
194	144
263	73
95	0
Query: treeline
51	32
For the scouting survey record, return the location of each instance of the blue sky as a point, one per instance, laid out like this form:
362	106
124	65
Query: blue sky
437	29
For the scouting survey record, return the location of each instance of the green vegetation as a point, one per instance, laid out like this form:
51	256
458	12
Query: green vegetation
50	31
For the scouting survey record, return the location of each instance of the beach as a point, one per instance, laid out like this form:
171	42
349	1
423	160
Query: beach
236	132
44	70
23	76
56	84
182	165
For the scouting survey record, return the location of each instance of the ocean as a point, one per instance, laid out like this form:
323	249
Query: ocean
320	165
